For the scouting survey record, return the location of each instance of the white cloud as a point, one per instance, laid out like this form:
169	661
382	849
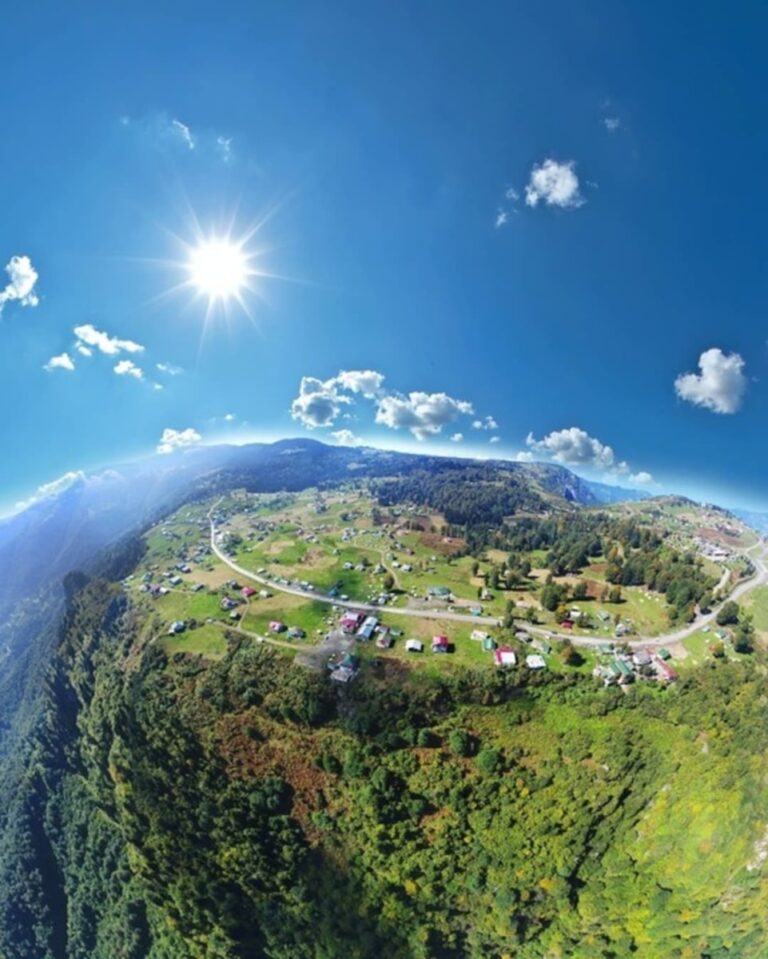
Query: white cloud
62	483
501	218
53	488
318	403
424	414
457	437
224	148
22	278
523	456
161	131
641	479
177	439
129	368
169	368
495	439
573	447
321	402
512	194
229	417
88	335
61	362
346	438
83	350
611	124
367	382
487	423
719	386
554	183
183	131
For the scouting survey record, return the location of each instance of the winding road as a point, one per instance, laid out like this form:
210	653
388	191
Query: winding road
759	578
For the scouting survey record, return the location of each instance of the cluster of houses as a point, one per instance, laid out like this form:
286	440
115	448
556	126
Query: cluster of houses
505	657
713	551
622	668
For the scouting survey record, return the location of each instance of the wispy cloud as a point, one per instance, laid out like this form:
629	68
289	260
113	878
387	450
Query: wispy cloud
92	339
182	130
719	385
165	132
457	437
612	124
53	488
22	279
169	369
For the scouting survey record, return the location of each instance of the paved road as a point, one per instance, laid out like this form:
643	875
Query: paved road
759	578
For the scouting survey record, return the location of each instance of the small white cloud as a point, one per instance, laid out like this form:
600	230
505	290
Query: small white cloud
22	278
612	124
424	414
367	382
346	438
229	417
129	368
61	362
183	131
487	423
457	437
318	403
554	183
501	218
641	479
177	439
224	148
88	335
512	194
573	447
523	456
719	386
83	350
495	439
169	368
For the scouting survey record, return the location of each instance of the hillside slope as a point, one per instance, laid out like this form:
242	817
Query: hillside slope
176	807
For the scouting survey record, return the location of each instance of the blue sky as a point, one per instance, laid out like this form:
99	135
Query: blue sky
546	220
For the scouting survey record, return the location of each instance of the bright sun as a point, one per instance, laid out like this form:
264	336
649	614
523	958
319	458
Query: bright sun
218	268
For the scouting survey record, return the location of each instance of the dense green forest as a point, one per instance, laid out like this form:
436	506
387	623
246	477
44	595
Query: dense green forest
175	808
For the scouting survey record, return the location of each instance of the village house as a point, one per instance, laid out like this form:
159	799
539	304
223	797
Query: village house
505	657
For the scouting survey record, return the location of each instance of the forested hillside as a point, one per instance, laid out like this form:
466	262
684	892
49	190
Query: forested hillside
179	807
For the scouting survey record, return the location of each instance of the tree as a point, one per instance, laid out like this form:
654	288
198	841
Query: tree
488	760
388	581
744	634
460	742
571	656
580	590
614	594
728	614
